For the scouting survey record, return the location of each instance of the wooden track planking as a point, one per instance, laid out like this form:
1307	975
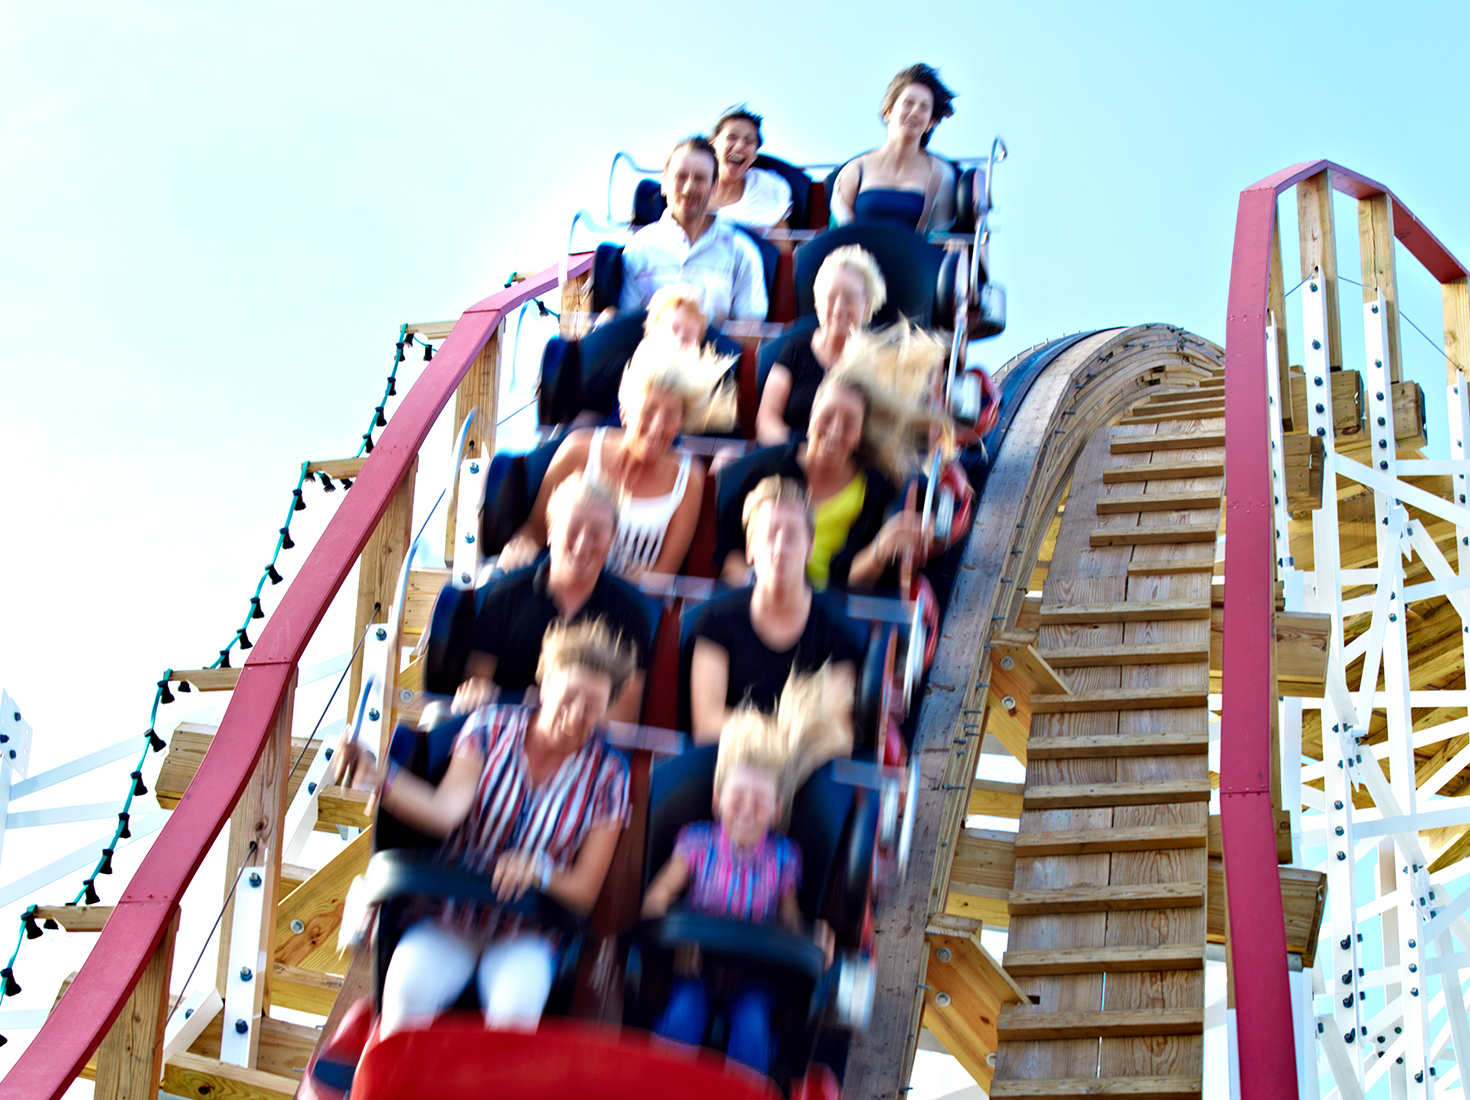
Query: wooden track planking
1163	990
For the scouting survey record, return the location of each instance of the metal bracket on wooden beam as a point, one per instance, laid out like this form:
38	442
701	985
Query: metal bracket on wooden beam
247	961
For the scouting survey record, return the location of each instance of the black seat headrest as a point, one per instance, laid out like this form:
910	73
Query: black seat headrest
607	276
451	624
964	201
909	263
648	201
510	493
559	397
681	790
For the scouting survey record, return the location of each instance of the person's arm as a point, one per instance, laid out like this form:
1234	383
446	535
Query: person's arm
528	540
479	686
575	887
436	811
709	680
770	419
844	193
628	706
900	532
671	881
943	214
680	532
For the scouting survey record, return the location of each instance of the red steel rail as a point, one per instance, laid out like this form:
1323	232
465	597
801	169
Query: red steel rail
80	1022
1258	938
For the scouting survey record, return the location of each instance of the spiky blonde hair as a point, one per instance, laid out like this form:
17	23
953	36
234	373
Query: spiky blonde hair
672	297
591	644
696	375
803	734
893	371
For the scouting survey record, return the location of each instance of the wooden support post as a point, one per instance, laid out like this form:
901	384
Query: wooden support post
479	390
377	570
1277	306
1456	298
1375	244
130	1059
1319	250
576	306
258	817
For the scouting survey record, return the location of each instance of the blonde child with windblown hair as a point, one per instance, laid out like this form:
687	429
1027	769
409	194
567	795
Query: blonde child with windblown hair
739	866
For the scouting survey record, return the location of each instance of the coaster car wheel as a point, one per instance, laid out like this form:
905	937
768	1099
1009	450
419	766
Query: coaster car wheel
954	508
974	402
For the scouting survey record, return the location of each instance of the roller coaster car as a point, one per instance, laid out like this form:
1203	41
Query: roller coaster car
835	825
400	874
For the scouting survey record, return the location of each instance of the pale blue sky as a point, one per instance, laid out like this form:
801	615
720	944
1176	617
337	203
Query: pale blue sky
215	216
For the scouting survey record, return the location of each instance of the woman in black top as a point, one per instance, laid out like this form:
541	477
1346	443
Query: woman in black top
869	419
747	643
849	289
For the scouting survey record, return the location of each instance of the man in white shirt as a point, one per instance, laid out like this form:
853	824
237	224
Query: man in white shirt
691	245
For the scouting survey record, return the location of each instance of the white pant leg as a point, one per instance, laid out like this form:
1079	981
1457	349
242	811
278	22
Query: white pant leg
428	971
515	980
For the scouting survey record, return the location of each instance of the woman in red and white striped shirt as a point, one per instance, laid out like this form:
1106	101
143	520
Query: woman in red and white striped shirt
533	797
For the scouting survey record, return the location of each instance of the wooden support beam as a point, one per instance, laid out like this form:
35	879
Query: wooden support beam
206	679
1318	240
186	749
1153	1088
995	799
377	570
1101	960
1301	651
1162	698
1375	247
967	992
1348	406
1304	456
197	1077
1158	502
1135	838
1171	441
1169	566
1155	534
338	468
480	389
438	330
1455	302
1164	470
255	846
1303	895
1151	653
1283	836
1090	795
1107	899
1128	611
130	1059
342	806
1212	409
1019	1023
318	904
305	990
1119	744
1015	651
1276	303
76	918
981	875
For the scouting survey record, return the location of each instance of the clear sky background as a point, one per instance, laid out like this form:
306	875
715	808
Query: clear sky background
213	218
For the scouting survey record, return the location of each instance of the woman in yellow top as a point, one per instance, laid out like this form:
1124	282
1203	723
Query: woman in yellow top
869	419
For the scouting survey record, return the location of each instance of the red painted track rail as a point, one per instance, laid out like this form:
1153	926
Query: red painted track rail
82	1019
1258	940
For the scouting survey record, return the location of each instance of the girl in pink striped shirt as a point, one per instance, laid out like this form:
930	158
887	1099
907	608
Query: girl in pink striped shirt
737	866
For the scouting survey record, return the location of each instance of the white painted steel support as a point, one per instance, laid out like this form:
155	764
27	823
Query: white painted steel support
302	813
467	555
247	961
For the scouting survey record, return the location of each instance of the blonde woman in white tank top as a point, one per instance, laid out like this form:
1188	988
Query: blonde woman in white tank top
666	390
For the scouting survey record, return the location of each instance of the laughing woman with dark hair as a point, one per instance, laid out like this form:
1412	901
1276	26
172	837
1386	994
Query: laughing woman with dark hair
752	196
902	183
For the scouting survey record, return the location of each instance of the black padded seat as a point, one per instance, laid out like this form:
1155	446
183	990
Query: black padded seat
910	267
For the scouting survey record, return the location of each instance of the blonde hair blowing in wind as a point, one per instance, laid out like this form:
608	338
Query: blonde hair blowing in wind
894	371
697	375
791	744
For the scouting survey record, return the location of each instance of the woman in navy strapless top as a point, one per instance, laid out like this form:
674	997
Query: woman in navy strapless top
902	184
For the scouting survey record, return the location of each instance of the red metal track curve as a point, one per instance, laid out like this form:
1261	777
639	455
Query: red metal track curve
1258	940
81	1020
